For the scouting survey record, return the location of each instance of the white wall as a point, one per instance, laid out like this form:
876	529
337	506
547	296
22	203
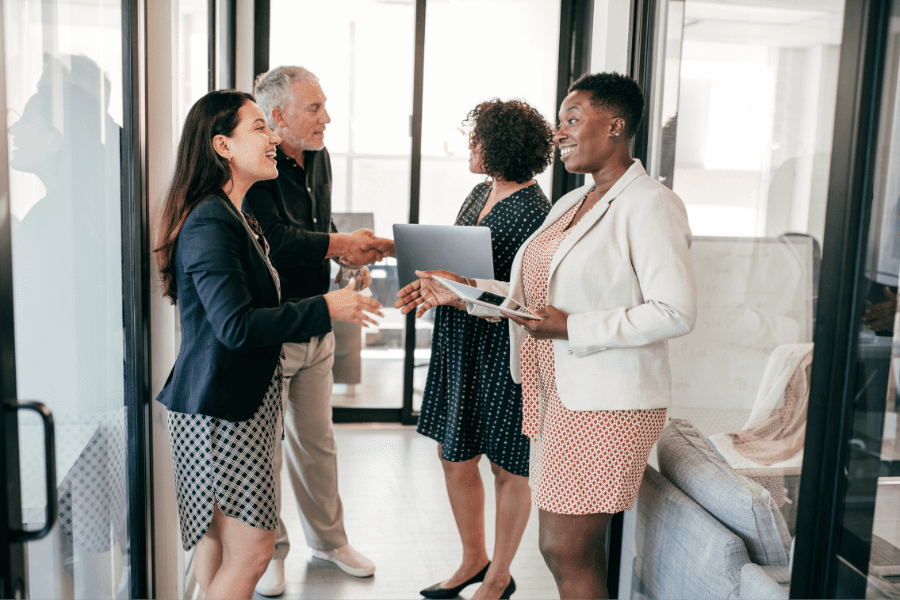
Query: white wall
161	135
243	68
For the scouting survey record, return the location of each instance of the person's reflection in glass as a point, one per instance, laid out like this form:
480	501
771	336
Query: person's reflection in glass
881	307
668	137
68	313
881	290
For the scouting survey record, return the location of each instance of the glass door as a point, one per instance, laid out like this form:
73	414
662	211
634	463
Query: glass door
362	52
64	70
520	35
740	124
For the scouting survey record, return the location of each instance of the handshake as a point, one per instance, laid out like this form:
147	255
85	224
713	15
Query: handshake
359	248
356	250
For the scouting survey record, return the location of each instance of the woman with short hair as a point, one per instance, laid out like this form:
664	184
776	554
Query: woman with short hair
471	404
610	275
224	392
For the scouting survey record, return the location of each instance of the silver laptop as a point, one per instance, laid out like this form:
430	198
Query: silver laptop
465	251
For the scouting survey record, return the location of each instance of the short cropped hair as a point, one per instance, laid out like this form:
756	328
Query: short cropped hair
616	93
273	88
516	141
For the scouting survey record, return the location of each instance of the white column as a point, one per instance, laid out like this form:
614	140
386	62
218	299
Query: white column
162	137
244	74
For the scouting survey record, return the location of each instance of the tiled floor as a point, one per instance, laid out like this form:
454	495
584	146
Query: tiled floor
397	513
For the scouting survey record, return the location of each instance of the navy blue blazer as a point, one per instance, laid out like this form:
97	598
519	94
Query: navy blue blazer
232	322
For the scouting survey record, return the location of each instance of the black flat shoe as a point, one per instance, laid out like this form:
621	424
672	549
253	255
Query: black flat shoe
510	589
436	591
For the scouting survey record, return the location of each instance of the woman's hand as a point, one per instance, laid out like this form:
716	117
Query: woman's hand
347	305
426	293
551	327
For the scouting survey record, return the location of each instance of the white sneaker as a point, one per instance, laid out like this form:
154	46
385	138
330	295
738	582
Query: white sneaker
348	560
272	581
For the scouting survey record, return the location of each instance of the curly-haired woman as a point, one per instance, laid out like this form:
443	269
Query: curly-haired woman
471	404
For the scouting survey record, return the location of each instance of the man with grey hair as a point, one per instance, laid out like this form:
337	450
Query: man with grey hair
294	211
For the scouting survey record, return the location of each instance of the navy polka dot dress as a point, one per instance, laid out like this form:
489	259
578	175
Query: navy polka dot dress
471	404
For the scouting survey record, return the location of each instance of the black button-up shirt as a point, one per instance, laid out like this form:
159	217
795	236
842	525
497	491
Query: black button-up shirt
294	212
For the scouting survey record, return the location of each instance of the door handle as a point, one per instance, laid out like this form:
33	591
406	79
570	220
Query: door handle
23	535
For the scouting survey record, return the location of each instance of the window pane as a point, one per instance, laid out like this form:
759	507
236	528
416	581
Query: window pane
367	76
455	82
741	122
526	46
193	54
64	94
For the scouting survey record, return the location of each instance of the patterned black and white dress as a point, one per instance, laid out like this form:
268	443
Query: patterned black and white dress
228	463
471	404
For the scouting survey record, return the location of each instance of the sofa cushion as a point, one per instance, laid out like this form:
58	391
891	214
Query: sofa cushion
681	550
743	506
765	583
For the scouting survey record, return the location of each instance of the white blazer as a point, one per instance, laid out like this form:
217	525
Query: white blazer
624	276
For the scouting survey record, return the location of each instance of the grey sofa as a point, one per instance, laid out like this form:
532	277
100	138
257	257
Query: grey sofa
703	530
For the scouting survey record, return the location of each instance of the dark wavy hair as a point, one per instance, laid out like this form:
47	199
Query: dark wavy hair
516	141
199	172
616	93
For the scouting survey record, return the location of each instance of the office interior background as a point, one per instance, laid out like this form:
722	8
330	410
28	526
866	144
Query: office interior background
776	121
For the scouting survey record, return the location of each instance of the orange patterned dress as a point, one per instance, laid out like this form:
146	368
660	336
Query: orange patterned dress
582	462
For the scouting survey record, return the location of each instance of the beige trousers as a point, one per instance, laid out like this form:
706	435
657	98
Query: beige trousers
309	452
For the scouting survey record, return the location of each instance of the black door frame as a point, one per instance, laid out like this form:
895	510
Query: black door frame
12	561
136	261
641	51
407	415
576	24
574	60
833	385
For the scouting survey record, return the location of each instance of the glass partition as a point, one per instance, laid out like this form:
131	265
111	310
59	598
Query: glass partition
868	553
362	51
740	123
64	97
526	45
455	82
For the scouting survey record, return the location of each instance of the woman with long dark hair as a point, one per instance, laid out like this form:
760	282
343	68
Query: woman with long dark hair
224	392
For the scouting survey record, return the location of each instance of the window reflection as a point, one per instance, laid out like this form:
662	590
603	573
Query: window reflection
68	320
64	95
